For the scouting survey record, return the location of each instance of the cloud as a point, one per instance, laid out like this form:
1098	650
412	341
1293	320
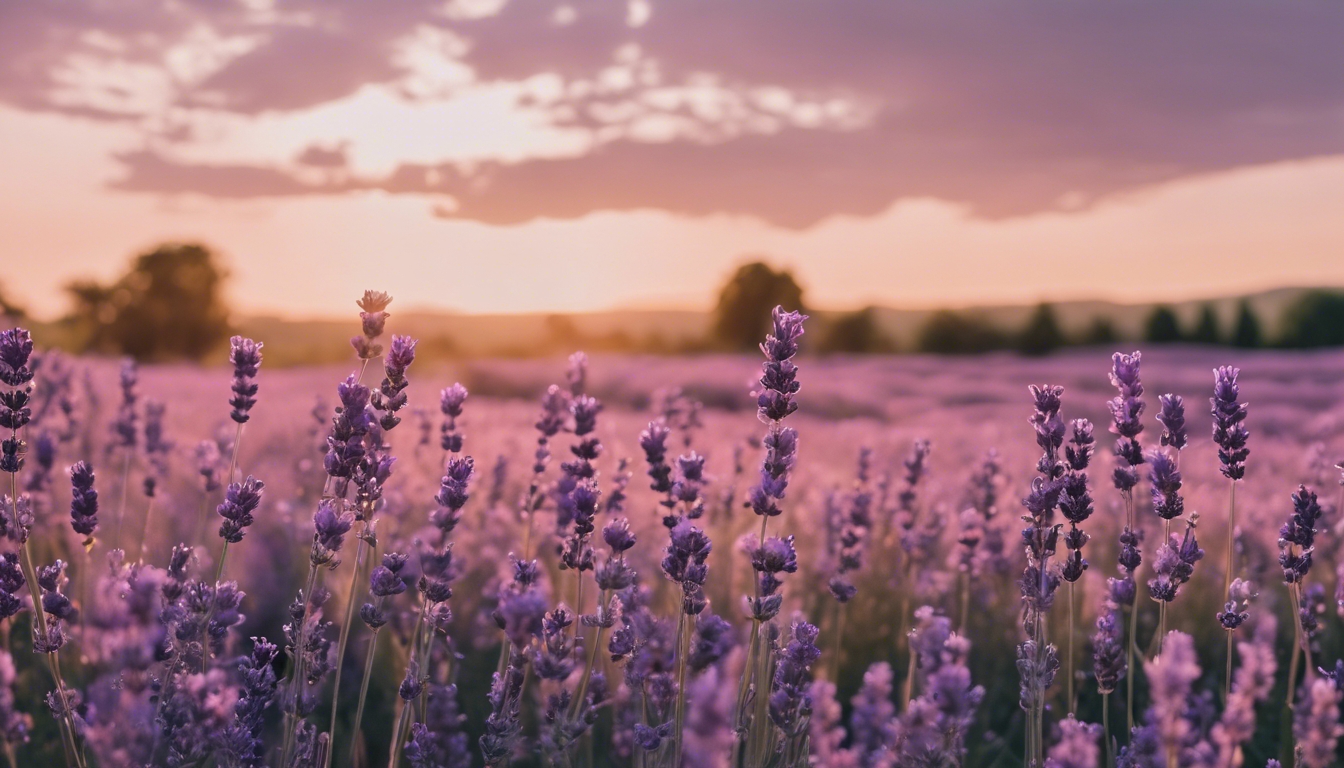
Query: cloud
790	112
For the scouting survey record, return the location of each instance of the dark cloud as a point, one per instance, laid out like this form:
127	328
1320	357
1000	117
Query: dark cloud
1006	107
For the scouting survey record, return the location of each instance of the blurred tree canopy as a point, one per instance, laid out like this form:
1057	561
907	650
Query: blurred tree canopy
953	333
855	333
1207	330
1100	331
1041	335
1162	327
1316	319
10	308
168	305
1246	333
742	315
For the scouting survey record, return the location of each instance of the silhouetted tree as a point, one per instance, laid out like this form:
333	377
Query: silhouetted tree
1316	319
1207	330
1041	335
1246	333
742	315
1162	327
168	305
1100	331
9	308
855	333
951	333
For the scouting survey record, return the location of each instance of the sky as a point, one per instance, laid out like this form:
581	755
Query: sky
577	155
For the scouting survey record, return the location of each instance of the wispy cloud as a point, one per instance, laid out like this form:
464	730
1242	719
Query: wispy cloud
787	111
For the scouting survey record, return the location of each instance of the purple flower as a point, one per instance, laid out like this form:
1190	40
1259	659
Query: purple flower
1316	726
1126	422
712	641
373	318
240	501
124	429
451	400
83	500
453	493
1299	532
1076	746
245	356
391	394
1171	415
1108	649
1170	676
684	563
330	525
1234	613
871	720
789	700
1229	428
1165	479
779	378
1251	686
16	349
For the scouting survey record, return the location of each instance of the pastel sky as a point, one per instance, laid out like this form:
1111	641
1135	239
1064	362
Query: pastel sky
557	155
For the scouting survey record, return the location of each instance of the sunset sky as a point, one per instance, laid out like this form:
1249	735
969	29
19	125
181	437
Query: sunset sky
557	155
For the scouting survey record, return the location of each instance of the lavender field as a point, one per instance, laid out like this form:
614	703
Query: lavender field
659	562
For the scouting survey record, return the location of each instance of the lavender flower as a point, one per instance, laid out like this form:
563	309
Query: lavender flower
245	356
1234	613
1108	649
345	443
1075	503
373	319
452	495
1175	563
124	426
1170	675
790	704
779	380
83	501
1171	415
1229	429
240	501
241	741
451	400
1076	746
1300	533
1316	725
330	525
684	564
1165	479
16	349
871	720
1126	423
770	559
1252	686
391	394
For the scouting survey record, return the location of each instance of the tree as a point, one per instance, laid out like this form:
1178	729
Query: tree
1246	333
1041	335
1100	331
951	333
855	333
1316	319
1162	327
742	315
1207	330
9	308
167	306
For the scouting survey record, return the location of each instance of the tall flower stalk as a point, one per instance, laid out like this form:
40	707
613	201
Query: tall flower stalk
1230	435
1297	548
1075	503
1127	424
1037	659
16	374
775	402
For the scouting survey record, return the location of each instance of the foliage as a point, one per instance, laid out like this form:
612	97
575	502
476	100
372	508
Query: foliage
742	314
1162	326
169	305
1314	320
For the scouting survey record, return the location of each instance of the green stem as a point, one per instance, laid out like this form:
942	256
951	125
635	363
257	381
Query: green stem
344	639
679	719
67	724
364	689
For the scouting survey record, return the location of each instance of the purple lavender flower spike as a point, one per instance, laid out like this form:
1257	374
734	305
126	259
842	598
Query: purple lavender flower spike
391	394
1165	480
1297	537
1108	644
240	501
1171	414
11	581
790	703
1229	428
1126	422
124	427
245	356
1235	613
1175	563
1316	724
1077	745
83	501
451	400
373	318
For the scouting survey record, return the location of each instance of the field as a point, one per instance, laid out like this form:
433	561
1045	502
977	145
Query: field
944	534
